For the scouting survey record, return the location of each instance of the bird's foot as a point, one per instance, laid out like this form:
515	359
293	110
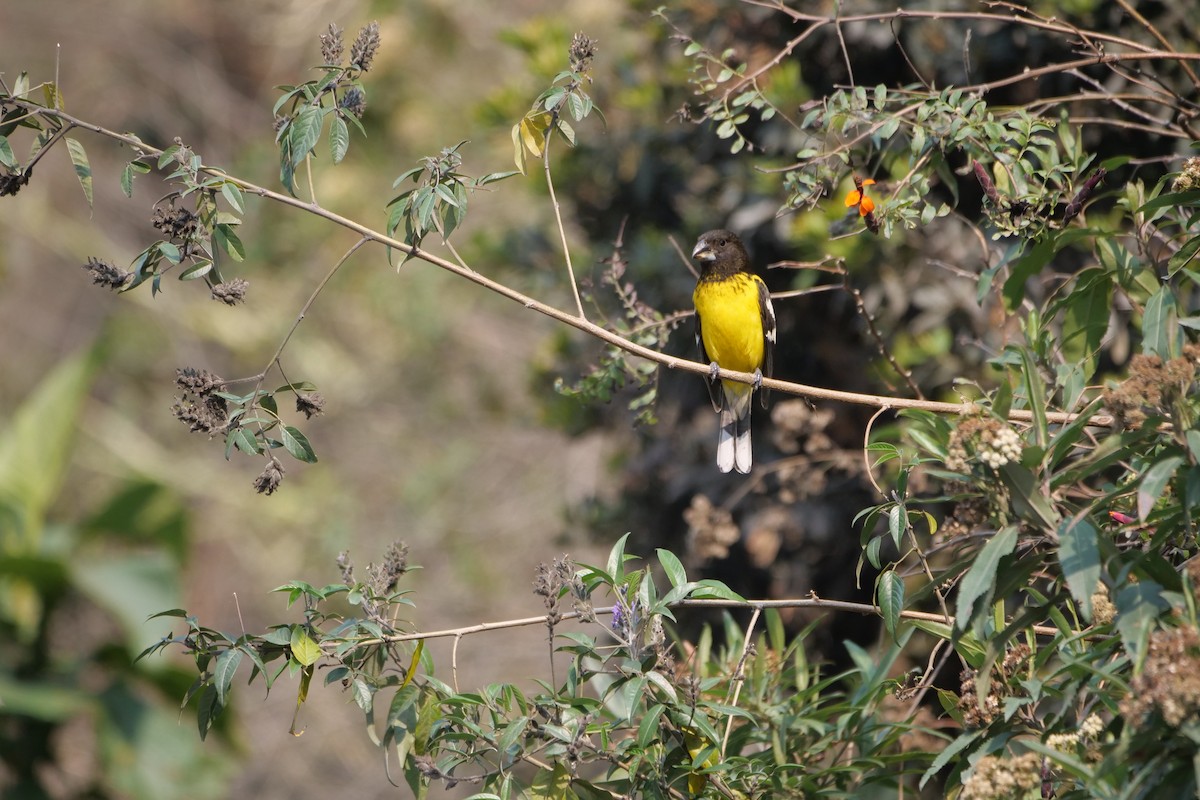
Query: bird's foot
713	371
757	379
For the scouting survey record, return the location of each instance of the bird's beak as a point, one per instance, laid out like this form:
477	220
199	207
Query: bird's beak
703	252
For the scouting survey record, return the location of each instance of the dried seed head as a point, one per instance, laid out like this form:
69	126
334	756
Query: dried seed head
105	274
366	44
331	46
270	478
1187	179
231	292
310	405
12	180
178	224
581	52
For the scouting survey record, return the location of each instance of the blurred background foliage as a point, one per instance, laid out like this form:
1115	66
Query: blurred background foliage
442	426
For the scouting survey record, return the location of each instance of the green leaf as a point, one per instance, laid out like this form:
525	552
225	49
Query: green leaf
1029	497
36	440
1138	606
890	594
1079	558
1172	199
1154	481
339	139
672	567
233	195
304	649
1035	395
980	579
223	672
83	169
1158	324
6	154
304	133
225	238
297	444
1184	256
1086	319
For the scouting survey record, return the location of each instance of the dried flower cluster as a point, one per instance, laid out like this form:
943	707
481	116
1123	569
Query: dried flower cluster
11	180
310	405
332	47
993	443
711	530
968	514
231	292
105	274
1188	178
1103	610
980	715
365	46
549	583
199	407
1170	679
581	53
1081	740
175	222
269	479
1003	777
1152	387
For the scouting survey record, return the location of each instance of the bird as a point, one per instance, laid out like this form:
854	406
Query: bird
735	330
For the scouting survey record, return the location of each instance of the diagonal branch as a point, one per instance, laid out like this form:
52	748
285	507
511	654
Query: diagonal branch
565	317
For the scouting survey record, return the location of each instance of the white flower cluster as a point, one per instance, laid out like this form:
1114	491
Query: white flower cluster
998	447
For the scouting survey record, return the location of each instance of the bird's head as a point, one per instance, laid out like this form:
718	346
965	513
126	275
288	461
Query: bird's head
720	249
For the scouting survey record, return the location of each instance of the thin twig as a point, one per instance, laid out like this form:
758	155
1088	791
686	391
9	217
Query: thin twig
866	451
739	677
811	601
562	231
574	320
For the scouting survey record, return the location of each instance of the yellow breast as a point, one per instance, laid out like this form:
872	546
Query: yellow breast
730	321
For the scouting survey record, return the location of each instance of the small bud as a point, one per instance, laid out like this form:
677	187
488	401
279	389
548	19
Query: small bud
985	181
1084	194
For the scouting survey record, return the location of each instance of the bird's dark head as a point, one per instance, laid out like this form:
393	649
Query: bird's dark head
720	251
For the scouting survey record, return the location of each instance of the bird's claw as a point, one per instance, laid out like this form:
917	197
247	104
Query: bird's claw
757	379
713	371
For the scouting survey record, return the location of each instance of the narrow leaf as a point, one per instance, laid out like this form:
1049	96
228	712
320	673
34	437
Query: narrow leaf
297	444
981	577
1154	482
890	594
339	139
83	169
1079	557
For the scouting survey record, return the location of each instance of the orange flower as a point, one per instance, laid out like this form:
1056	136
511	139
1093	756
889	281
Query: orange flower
859	197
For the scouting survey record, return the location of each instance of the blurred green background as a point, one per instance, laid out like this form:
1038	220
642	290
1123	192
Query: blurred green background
433	432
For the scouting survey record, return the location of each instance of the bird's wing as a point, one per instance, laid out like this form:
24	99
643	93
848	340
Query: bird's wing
715	392
767	312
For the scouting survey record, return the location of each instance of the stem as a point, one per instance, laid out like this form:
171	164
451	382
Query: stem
562	232
574	320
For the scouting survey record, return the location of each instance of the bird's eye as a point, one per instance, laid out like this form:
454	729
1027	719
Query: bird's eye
720	242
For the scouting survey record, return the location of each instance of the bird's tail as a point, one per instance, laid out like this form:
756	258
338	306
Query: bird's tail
733	441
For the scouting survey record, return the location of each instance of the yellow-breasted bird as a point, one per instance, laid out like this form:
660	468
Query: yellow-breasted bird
735	328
